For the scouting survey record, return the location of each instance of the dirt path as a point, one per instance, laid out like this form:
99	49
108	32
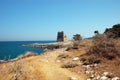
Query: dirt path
43	67
53	71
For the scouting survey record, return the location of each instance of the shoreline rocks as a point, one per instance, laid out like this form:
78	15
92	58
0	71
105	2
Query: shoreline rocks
55	45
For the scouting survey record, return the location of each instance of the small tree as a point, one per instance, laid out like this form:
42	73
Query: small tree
76	40
77	37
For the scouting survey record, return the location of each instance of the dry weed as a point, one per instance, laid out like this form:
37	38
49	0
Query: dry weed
70	64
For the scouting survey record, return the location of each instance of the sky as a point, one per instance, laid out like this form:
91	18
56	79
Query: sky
23	20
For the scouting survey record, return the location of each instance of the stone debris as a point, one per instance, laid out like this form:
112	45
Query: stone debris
88	79
115	78
103	78
98	77
105	74
95	76
75	59
73	78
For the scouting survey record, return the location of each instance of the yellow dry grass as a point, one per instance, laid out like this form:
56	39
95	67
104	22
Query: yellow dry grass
42	67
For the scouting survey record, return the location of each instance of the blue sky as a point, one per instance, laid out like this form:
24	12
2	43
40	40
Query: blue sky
42	19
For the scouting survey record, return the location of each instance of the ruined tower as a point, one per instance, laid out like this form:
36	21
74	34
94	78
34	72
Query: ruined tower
61	37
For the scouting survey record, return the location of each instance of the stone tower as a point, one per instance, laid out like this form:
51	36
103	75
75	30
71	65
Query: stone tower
61	37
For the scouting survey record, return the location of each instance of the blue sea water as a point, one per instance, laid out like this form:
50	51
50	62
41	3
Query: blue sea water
12	49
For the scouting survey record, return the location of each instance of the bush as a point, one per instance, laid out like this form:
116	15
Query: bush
62	56
82	59
70	64
113	32
104	46
77	37
92	60
76	40
97	60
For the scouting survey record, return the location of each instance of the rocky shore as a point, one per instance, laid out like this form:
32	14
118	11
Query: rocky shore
54	45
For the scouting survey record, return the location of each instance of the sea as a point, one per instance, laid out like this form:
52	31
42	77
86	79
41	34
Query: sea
12	49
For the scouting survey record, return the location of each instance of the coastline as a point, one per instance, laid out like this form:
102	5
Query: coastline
58	64
54	45
45	66
12	49
48	46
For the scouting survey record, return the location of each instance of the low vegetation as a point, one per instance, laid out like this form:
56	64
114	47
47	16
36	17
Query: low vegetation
27	54
113	32
62	56
104	51
104	47
70	64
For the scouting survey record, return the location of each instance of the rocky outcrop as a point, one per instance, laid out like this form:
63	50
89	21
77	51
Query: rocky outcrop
61	37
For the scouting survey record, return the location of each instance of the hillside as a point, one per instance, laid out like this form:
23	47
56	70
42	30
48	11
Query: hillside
73	63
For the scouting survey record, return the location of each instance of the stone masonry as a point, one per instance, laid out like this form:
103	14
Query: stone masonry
61	37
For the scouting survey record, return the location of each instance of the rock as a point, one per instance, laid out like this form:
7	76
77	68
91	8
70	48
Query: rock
73	78
92	72
110	75
92	76
93	65
15	77
75	58
87	72
115	78
98	77
105	74
87	67
103	78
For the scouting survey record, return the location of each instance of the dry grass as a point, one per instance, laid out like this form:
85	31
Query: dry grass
104	47
27	54
105	52
12	70
111	66
70	64
62	56
91	60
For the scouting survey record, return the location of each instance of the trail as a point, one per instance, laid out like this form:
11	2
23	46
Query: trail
53	71
42	67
